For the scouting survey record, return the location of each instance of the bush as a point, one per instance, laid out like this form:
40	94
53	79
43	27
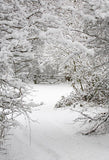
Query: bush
11	105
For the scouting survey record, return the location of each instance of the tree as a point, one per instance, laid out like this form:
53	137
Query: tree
91	62
15	58
96	28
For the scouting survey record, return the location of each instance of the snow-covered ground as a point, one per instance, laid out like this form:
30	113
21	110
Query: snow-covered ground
52	135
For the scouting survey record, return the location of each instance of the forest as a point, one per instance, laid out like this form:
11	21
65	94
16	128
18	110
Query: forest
58	50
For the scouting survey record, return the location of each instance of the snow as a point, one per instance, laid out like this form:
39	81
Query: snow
52	135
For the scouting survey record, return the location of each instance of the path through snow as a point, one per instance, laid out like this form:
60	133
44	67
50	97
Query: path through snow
53	136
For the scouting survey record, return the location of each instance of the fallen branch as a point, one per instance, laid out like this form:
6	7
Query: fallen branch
100	119
97	126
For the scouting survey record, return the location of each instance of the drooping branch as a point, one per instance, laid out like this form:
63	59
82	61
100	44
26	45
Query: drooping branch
91	35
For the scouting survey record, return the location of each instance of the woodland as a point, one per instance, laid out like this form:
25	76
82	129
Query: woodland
54	42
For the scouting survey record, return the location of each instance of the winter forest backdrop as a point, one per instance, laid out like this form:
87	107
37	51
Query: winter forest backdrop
53	41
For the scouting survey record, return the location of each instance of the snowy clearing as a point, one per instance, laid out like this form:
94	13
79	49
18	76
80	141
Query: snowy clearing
52	135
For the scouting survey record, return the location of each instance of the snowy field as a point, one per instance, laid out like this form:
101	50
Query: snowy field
52	134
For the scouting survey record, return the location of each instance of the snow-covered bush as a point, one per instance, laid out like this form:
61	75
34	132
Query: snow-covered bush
65	101
97	90
10	105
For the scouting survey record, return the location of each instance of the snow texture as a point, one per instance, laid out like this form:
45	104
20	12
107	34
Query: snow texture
52	135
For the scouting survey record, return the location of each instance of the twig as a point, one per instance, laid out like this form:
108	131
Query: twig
97	126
